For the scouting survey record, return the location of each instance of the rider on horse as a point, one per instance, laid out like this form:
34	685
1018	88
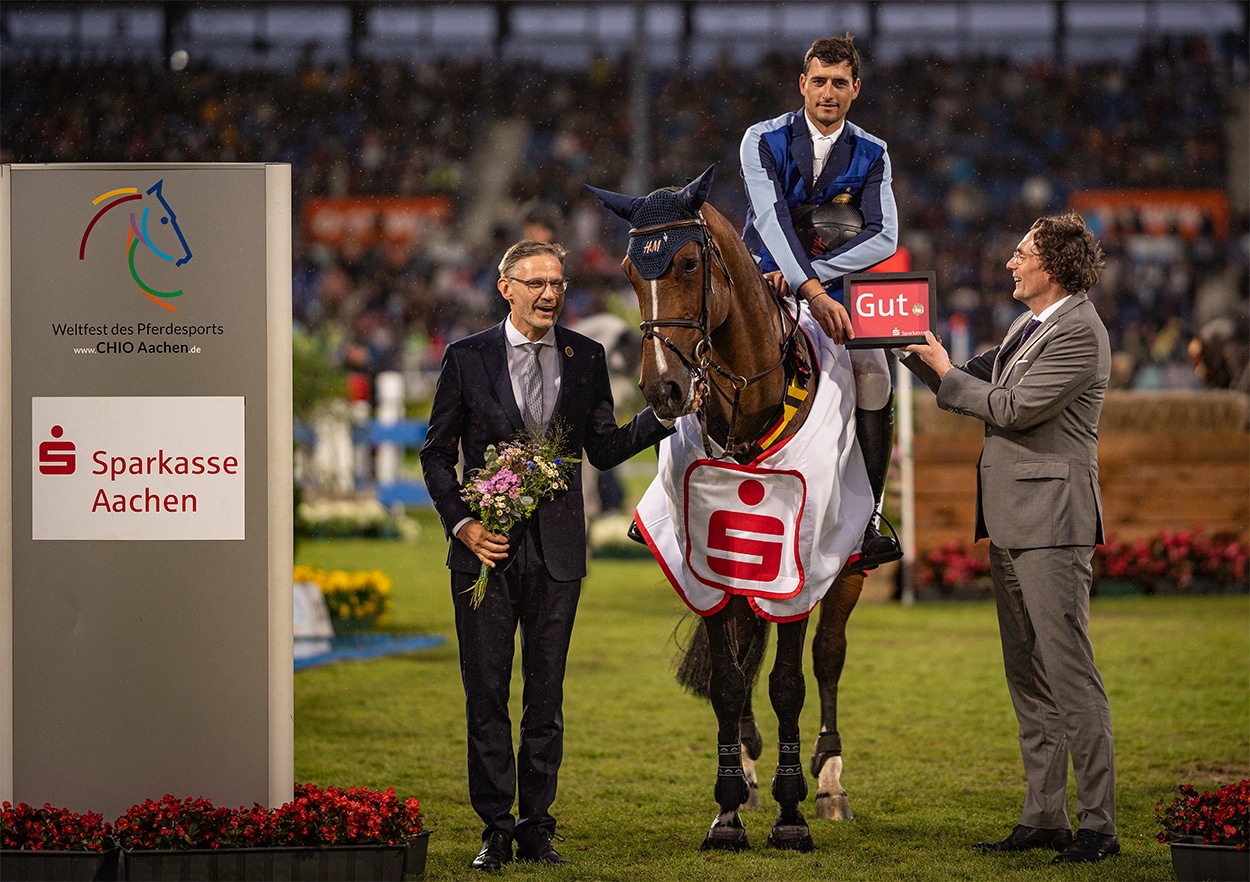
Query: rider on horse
814	157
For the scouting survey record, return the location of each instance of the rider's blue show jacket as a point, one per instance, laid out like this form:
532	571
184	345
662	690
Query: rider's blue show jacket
776	158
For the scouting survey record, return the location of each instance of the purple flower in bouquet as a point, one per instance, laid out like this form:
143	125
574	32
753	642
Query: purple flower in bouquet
516	476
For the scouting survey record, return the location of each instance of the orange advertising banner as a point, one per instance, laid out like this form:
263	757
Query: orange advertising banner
1183	213
332	220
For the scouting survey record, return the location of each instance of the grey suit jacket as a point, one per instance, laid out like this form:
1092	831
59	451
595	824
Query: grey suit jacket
1037	478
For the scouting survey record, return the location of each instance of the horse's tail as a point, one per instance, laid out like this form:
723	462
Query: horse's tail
693	664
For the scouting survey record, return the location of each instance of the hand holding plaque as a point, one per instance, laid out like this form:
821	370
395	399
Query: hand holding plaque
889	309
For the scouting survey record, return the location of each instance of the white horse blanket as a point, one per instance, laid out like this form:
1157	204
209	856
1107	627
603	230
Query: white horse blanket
777	530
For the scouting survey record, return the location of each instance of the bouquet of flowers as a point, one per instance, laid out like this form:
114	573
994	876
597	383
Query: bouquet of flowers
507	489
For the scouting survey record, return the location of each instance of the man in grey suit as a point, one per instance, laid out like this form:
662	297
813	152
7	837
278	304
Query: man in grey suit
1040	393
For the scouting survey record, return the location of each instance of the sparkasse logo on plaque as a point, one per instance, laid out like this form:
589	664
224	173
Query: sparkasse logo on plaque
138	468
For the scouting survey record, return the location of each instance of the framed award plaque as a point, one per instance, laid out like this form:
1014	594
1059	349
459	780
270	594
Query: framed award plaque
889	309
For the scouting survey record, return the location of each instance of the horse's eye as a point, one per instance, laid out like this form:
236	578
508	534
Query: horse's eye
689	265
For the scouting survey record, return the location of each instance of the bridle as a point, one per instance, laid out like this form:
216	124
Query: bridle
700	360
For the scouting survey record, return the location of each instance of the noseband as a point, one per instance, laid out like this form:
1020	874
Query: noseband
700	361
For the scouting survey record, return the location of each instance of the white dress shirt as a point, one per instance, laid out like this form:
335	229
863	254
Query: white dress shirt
822	145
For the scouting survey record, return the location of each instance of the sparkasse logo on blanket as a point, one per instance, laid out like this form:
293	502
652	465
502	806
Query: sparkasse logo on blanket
138	468
742	529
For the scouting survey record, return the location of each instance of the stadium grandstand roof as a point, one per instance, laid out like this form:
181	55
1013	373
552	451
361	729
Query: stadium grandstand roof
285	33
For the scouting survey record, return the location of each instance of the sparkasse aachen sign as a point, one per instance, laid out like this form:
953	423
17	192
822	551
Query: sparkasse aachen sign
146	310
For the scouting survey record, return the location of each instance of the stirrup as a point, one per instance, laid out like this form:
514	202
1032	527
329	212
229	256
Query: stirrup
868	562
636	534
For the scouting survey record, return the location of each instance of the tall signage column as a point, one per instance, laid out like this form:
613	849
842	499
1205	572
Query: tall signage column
145	488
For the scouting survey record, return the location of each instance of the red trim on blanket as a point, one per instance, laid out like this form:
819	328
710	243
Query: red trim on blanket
668	574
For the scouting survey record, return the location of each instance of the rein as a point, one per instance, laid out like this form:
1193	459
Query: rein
700	361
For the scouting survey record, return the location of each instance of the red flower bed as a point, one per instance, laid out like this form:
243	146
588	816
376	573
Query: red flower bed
1184	558
316	816
1220	818
52	829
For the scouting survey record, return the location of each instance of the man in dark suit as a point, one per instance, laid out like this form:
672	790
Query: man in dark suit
1040	394
481	399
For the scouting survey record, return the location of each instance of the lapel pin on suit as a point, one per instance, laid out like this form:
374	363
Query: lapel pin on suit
568	351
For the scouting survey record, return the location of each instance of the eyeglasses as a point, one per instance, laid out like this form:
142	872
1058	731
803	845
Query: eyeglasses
537	285
1020	257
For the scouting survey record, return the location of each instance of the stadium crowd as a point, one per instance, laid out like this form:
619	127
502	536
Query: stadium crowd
980	147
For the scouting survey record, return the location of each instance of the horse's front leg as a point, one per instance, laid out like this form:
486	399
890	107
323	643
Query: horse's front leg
787	690
752	748
829	655
729	686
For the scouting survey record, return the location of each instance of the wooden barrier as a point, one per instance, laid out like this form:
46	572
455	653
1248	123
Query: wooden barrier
1167	461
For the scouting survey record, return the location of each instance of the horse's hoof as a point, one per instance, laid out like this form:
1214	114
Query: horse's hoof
727	835
833	808
791	837
753	801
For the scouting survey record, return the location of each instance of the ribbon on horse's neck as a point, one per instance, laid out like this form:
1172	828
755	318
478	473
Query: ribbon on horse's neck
700	358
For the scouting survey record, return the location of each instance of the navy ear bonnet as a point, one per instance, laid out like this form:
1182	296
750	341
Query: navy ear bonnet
653	252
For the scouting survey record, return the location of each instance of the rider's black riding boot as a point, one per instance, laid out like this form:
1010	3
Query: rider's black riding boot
875	431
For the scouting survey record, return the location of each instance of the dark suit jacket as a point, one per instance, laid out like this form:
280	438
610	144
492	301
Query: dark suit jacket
474	407
1037	479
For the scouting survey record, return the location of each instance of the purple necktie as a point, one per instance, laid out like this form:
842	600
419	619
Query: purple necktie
1029	328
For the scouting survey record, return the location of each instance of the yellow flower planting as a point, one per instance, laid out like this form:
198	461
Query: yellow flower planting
364	594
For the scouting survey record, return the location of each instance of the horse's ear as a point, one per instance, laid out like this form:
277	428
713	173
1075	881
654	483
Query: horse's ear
617	203
694	194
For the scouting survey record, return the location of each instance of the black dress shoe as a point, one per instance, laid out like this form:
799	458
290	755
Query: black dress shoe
1089	848
496	851
541	850
1025	838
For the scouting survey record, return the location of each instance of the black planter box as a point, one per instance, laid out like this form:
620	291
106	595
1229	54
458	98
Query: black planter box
355	862
58	866
1195	861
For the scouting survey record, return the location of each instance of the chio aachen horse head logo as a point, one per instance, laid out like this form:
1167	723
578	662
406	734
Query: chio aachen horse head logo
140	231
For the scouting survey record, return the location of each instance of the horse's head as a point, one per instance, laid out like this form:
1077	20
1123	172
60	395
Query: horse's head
669	265
168	219
163	238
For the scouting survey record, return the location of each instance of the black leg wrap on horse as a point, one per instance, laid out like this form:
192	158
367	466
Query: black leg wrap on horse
731	782
789	783
827	745
790	830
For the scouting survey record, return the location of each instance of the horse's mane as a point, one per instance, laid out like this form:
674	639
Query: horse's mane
753	294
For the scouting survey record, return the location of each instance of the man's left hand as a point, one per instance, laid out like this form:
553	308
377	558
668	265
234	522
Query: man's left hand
932	353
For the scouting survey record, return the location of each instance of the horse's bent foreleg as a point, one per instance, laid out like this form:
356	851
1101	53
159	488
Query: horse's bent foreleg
752	748
829	655
729	686
787	690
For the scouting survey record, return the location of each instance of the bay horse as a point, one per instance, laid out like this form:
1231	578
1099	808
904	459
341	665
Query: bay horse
720	346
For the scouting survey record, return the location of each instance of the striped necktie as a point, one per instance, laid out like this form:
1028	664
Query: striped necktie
532	389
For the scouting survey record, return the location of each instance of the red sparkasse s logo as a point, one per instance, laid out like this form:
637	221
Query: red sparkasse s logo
143	207
57	457
745	540
742	526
